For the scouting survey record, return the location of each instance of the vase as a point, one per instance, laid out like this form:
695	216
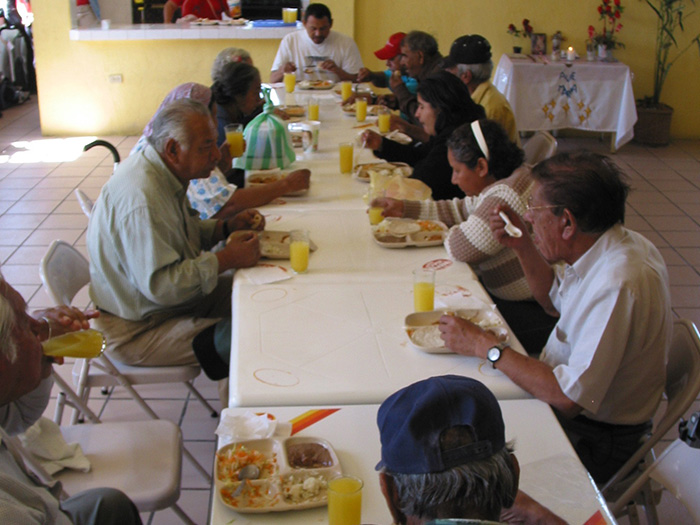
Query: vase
602	51
653	126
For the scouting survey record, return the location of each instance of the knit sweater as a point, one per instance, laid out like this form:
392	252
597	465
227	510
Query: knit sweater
470	239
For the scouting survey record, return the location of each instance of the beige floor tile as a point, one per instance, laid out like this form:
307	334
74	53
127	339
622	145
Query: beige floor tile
21	274
43	237
685	296
13	237
682	239
20	221
28	255
683	275
67	220
34	207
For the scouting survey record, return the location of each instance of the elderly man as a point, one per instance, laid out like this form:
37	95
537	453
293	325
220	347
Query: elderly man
161	293
444	455
470	60
316	45
25	386
603	367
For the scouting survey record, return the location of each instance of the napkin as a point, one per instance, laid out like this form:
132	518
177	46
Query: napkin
243	427
265	273
457	298
46	443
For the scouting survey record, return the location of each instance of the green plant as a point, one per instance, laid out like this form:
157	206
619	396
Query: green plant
670	16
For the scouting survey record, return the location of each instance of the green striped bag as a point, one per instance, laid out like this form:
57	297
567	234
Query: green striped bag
268	143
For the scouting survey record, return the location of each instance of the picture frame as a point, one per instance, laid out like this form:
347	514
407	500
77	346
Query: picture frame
539	43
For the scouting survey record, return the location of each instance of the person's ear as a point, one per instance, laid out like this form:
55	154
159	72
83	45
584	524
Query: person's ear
421	57
386	482
172	150
567	223
467	77
482	167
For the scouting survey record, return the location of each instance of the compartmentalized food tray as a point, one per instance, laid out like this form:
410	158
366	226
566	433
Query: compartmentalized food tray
275	244
400	233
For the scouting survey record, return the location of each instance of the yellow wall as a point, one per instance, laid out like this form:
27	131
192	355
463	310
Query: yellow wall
75	96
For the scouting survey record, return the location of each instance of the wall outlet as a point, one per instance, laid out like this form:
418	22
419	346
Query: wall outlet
116	79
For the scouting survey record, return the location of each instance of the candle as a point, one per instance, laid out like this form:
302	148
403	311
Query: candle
570	54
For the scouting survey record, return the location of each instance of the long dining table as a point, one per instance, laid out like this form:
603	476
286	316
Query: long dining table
332	341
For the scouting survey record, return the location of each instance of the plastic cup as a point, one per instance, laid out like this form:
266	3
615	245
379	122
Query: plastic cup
84	344
346	157
290	82
289	15
375	212
345	501
361	109
423	290
346	89
234	137
299	250
384	120
312	109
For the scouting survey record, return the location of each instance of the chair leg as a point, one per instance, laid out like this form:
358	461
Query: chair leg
181	514
60	404
199	396
73	398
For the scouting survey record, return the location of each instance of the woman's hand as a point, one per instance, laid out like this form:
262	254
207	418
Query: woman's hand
372	139
390	207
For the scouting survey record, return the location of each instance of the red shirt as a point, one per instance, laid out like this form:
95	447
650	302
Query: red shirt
210	9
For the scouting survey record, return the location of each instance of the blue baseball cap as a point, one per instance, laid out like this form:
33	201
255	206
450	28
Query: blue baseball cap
411	421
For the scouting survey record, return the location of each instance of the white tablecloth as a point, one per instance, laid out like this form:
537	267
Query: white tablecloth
592	96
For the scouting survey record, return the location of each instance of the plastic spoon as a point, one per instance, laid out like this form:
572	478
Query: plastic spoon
247	472
511	229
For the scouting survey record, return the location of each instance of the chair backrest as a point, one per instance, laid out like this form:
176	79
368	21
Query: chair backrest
540	146
682	388
64	272
677	471
85	202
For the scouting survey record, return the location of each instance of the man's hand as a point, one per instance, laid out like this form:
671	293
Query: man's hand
242	250
62	319
290	67
297	180
464	337
247	220
388	100
352	98
226	160
363	74
395	80
390	207
497	225
372	139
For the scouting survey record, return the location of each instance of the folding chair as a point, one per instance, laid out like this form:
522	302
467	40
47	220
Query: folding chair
539	147
85	202
64	272
682	388
676	470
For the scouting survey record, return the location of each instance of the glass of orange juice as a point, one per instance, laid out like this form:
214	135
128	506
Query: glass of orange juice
84	344
375	212
234	137
289	15
299	250
313	108
384	120
345	501
361	109
346	157
290	82
346	89
423	289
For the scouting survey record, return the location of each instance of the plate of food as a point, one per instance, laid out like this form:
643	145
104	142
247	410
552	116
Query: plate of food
423	328
350	109
294	111
316	84
400	233
363	172
204	22
275	244
262	177
293	474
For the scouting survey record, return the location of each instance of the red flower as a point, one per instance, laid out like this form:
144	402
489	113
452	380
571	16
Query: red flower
591	31
617	14
511	27
617	3
600	9
618	27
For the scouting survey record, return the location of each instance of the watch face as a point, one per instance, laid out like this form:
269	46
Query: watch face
494	354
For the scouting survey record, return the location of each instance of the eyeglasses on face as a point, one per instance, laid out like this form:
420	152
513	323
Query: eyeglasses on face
530	207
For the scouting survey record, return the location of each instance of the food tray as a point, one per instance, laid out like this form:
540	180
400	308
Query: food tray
281	485
362	171
424	335
275	244
294	111
262	177
372	110
316	84
228	22
400	233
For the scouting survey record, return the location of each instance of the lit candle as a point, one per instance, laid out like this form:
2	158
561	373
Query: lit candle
570	54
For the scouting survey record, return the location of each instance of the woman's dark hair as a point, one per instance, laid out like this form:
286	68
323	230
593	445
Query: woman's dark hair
591	186
235	81
448	94
504	156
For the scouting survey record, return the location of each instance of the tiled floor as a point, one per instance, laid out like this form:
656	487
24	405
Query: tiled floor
37	205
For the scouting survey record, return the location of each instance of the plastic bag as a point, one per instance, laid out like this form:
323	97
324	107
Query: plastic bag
268	143
399	187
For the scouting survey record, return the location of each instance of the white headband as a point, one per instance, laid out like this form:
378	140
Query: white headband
480	140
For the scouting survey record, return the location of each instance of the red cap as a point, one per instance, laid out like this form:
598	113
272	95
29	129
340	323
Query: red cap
392	47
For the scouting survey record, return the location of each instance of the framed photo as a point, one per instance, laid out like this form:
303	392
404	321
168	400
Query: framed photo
539	44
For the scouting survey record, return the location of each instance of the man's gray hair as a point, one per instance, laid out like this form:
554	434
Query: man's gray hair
484	487
228	55
8	349
421	41
173	121
480	72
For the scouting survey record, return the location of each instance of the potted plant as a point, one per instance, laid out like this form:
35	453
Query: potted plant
653	125
610	12
525	32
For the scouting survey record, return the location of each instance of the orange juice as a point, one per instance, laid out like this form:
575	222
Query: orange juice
346	157
423	296
289	15
290	81
384	122
346	90
345	501
235	142
299	255
375	215
313	110
83	344
361	109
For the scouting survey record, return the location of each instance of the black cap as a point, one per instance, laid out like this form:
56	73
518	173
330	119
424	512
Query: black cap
470	49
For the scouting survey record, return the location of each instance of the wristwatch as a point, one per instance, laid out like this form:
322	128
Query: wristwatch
494	353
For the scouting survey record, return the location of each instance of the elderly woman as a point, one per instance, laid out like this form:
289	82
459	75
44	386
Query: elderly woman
215	197
488	168
444	104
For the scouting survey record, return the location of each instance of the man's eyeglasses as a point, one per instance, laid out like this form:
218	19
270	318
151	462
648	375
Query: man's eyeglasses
530	207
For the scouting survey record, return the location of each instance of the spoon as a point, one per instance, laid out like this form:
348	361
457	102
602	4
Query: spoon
511	229
247	472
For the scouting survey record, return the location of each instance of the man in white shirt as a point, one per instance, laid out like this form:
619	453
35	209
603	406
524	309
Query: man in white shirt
603	368
317	47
